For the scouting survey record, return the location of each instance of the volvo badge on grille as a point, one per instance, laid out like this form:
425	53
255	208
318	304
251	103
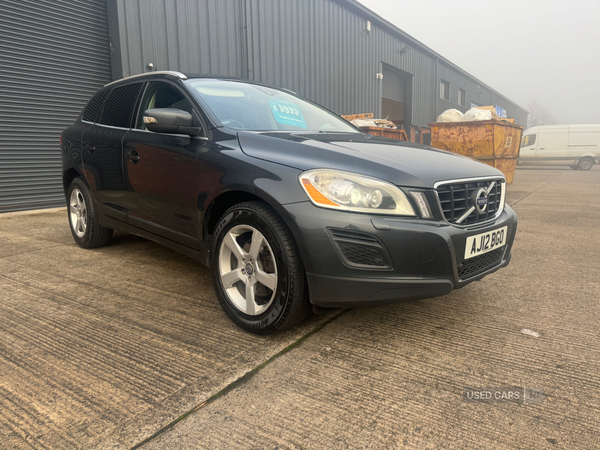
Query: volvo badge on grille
481	200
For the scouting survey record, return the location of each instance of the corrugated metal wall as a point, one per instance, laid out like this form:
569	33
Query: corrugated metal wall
322	50
53	55
191	36
317	48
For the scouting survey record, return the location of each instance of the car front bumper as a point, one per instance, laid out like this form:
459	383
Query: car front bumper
421	258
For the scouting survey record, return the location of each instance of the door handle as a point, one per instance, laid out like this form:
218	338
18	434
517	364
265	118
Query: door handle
91	149
133	156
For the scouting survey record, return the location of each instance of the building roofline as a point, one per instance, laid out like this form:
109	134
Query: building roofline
407	37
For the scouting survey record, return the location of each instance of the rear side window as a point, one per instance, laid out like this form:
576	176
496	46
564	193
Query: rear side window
119	106
94	106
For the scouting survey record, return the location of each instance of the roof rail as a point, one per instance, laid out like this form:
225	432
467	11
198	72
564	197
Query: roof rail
158	72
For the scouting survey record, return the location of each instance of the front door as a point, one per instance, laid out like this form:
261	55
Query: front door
527	153
161	171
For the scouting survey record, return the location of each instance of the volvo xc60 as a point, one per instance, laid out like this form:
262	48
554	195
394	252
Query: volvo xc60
287	203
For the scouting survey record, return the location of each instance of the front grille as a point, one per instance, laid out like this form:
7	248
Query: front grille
457	198
479	264
360	249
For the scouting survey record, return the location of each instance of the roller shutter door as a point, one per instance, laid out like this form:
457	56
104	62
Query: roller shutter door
394	86
54	54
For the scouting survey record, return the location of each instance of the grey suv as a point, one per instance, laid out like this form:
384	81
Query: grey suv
288	204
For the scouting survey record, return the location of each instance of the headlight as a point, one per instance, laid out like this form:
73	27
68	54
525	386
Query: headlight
347	191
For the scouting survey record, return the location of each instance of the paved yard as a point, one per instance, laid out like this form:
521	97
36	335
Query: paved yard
107	348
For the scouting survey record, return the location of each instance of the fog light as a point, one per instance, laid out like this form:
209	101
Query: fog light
422	203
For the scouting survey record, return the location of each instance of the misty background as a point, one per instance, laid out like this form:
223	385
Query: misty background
542	51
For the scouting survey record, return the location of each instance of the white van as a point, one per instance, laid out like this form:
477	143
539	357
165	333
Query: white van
576	146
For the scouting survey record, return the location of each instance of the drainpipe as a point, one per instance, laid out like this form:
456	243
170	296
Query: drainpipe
436	94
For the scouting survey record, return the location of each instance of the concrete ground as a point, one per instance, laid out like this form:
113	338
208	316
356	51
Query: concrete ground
108	348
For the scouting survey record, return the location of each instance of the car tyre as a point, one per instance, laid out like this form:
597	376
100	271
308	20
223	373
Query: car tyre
83	217
585	164
257	272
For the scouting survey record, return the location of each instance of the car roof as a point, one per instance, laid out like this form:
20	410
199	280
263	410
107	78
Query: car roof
181	76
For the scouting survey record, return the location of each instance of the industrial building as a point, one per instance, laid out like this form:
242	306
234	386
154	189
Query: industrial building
55	53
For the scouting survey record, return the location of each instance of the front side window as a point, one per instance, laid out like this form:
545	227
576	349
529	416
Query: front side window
161	95
245	106
118	109
528	140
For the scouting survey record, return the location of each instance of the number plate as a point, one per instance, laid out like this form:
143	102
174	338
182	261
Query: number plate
485	242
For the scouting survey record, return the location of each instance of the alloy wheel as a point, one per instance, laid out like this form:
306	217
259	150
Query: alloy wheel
78	212
248	270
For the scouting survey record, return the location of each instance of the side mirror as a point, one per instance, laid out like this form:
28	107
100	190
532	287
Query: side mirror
167	120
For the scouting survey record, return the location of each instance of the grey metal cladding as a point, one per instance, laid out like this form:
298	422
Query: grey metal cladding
55	55
320	49
191	36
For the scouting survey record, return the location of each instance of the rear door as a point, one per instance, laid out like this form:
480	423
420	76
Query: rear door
101	145
161	170
552	149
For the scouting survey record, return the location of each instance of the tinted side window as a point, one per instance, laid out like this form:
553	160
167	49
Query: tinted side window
119	106
161	95
94	106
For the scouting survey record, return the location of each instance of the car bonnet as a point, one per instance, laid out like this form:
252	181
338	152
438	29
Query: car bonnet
398	162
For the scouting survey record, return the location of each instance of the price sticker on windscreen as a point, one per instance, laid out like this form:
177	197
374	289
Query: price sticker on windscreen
287	113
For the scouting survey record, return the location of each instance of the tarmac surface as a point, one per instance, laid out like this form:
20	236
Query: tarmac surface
126	346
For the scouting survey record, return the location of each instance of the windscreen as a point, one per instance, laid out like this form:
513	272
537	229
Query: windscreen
245	106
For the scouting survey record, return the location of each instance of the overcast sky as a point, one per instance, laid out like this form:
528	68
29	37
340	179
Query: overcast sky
542	50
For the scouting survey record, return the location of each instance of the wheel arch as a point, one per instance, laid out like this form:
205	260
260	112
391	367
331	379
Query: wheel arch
69	176
586	158
222	203
229	198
